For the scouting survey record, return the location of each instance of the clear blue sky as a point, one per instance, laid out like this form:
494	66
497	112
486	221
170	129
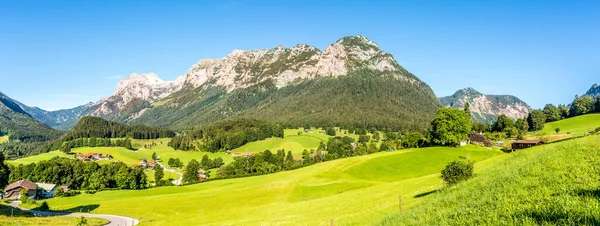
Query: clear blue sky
57	54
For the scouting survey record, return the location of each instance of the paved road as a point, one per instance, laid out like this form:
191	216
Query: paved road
114	220
175	182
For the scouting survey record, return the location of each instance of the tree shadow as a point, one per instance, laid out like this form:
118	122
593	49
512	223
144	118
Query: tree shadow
561	218
425	194
78	209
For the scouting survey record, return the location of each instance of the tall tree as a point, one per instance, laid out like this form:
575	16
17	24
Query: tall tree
502	123
468	109
190	175
581	105
536	120
450	126
564	111
552	113
158	174
4	172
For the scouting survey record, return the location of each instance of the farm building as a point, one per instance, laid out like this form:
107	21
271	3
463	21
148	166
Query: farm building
13	191
522	144
476	138
46	190
91	156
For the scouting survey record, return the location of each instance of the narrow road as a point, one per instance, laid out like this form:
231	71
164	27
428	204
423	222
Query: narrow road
175	182
114	220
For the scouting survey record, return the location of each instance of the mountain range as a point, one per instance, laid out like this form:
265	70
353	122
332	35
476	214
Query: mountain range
352	82
487	107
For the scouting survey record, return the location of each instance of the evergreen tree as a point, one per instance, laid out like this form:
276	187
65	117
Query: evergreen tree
4	172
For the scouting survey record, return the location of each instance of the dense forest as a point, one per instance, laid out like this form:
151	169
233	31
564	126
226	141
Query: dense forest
78	174
364	98
90	126
226	135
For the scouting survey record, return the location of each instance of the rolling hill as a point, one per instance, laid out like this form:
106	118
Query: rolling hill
343	190
556	184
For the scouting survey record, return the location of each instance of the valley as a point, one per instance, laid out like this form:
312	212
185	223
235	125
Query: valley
292	197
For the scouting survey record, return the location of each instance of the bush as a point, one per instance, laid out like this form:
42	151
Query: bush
44	206
457	171
71	193
81	221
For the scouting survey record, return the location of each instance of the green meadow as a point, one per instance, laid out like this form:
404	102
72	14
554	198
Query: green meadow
37	158
357	190
576	126
555	184
294	140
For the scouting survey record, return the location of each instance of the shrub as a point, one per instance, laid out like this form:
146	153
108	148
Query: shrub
457	171
81	221
44	206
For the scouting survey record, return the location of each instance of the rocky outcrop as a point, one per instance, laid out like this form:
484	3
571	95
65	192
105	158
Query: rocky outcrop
487	107
243	68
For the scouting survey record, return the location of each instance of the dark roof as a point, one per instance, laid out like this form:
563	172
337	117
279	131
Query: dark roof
527	142
23	184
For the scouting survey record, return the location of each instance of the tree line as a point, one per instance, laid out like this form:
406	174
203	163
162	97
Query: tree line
90	126
82	175
226	135
269	162
95	142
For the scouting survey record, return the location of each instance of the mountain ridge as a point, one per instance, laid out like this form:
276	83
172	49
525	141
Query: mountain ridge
485	107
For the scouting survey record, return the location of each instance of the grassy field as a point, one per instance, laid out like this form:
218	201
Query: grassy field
576	125
37	158
21	218
356	190
556	184
295	140
3	139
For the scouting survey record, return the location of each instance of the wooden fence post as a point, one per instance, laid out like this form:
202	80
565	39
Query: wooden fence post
331	222
400	202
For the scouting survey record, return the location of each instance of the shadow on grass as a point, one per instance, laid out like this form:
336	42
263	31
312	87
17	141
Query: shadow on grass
78	209
562	218
425	194
593	193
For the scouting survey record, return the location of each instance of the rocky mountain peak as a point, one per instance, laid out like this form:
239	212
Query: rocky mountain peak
282	65
593	91
139	88
487	107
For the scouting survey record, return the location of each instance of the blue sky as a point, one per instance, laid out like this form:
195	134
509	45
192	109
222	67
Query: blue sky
60	54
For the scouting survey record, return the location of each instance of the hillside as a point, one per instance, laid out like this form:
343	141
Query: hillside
575	126
487	107
60	119
339	190
24	132
557	184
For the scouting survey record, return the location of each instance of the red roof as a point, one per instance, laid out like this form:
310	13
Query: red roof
21	184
